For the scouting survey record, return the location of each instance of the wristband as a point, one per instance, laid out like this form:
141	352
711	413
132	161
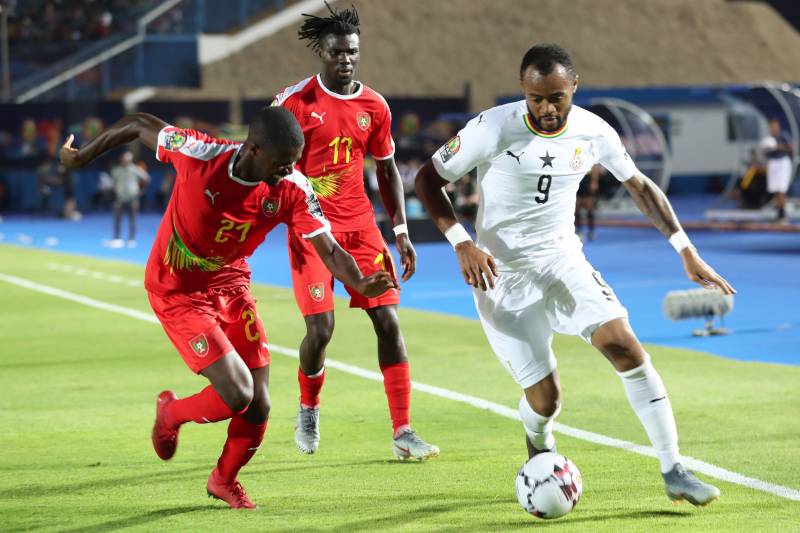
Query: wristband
457	234
400	228
679	240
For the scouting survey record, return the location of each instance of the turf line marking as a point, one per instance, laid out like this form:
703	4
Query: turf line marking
502	410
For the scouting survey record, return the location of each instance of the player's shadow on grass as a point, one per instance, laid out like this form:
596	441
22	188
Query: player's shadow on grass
168	475
409	516
527	522
138	520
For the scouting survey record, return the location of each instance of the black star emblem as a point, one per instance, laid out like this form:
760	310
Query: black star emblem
547	159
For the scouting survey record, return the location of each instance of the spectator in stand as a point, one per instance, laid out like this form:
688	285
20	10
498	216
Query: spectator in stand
129	182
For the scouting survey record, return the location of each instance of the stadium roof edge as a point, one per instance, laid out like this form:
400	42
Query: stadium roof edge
213	48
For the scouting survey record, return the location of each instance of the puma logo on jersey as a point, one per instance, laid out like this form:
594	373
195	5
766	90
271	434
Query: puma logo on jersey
515	156
320	117
212	196
481	119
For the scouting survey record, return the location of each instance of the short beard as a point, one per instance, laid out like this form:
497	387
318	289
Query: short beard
561	120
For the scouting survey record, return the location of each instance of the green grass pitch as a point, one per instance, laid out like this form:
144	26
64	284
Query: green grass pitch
78	388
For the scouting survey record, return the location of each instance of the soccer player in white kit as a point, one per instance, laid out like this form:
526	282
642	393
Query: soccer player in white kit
528	271
777	149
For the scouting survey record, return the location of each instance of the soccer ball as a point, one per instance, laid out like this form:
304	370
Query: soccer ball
549	485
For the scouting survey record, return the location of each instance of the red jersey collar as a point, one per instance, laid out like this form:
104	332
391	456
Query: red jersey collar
341	96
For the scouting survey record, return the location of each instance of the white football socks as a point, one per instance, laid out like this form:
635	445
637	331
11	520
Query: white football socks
648	397
538	428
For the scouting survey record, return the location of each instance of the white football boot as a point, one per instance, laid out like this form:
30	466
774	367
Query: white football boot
408	446
681	484
306	430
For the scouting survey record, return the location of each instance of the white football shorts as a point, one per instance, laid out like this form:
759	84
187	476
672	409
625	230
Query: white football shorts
559	291
779	174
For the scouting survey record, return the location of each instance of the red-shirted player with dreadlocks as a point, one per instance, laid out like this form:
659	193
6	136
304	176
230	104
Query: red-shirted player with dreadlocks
342	121
227	197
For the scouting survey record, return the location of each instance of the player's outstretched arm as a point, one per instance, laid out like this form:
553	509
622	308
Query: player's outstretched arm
138	126
391	188
344	267
652	201
477	267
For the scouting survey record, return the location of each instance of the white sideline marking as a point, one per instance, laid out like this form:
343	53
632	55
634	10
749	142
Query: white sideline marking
502	410
60	267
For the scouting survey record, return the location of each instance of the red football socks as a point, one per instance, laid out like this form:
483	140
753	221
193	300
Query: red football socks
397	383
243	441
204	407
310	387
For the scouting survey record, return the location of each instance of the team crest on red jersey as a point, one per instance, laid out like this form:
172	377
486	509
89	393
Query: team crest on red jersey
317	291
270	206
363	120
200	345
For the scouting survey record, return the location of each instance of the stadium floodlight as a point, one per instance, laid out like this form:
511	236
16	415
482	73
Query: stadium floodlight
699	303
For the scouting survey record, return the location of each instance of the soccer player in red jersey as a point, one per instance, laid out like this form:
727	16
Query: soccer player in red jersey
343	120
227	197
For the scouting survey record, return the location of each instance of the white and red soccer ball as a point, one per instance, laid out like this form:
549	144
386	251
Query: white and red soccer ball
549	485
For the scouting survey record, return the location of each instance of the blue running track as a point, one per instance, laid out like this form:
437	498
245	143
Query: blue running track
638	263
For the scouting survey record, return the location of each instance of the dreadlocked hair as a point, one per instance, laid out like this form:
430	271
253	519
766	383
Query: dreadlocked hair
342	22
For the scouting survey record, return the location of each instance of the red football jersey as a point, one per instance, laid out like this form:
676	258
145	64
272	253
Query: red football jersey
215	220
339	131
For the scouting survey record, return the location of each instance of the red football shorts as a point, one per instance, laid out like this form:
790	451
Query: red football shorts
206	325
313	282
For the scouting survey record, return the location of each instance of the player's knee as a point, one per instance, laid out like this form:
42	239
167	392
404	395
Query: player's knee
319	330
259	409
619	345
240	394
386	324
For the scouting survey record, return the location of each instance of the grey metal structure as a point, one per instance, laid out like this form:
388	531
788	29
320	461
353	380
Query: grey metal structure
639	131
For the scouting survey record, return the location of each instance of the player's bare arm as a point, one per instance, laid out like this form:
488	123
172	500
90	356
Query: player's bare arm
344	267
477	267
652	202
138	126
391	188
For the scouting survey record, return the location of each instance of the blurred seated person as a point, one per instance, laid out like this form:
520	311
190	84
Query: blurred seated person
586	201
751	189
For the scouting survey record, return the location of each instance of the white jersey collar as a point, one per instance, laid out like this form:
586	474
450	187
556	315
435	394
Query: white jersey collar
341	96
238	180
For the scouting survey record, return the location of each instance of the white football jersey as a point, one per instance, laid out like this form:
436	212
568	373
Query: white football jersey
528	179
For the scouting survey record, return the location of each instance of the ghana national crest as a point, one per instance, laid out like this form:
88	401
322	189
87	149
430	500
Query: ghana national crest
363	120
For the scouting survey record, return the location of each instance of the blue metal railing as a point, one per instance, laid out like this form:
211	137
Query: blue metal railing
167	31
